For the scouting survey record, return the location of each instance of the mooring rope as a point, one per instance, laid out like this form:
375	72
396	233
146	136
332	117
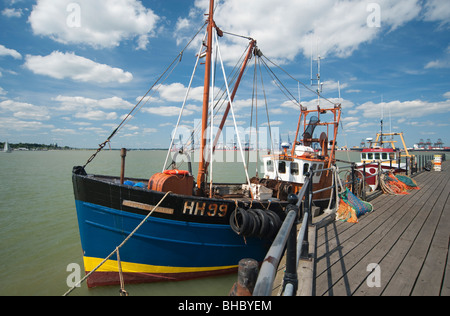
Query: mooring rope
122	283
118	247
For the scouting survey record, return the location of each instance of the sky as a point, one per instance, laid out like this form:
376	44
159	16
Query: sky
70	70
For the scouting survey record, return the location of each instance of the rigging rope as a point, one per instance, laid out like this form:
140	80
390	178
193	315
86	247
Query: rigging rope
220	97
183	106
234	117
298	81
177	58
118	247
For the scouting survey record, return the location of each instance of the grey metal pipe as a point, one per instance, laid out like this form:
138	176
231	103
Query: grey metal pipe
301	237
268	270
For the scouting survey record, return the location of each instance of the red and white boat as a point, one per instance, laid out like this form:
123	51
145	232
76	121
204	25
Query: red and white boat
377	156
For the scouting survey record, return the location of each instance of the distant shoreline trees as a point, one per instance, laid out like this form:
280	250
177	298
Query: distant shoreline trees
32	146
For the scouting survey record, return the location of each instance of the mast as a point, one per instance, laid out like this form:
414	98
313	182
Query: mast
233	94
202	166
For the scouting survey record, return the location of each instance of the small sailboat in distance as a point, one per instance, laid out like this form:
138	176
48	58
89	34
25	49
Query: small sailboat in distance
6	148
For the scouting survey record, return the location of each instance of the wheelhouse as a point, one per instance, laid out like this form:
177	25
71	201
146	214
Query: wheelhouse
383	154
291	169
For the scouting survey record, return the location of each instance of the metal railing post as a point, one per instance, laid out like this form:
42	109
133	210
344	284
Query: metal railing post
353	178
290	275
407	162
308	203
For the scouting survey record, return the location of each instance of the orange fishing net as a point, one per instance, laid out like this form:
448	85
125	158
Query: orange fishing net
351	207
346	213
397	186
409	183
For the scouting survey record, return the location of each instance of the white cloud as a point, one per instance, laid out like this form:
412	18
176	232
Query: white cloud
182	24
292	27
92	109
438	64
25	110
167	111
437	11
349	119
352	124
150	130
441	63
273	123
96	115
406	109
176	92
14	124
68	65
12	13
97	23
64	131
277	111
333	86
80	103
9	52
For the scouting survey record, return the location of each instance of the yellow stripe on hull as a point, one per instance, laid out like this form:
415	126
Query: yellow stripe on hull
127	267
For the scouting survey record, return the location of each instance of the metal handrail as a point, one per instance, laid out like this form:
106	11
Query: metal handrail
268	270
297	246
286	235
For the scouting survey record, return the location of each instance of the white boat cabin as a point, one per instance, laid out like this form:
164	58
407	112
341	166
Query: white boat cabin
382	155
291	169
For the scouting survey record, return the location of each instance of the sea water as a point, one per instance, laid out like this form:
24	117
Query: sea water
39	238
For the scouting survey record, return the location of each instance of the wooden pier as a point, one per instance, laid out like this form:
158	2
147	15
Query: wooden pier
401	248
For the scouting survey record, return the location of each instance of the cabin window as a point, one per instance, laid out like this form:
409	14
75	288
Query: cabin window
313	168
384	156
294	168
282	167
392	156
269	166
370	156
377	156
363	156
305	168
319	167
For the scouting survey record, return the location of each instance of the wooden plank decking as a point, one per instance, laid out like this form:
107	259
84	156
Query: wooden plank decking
407	236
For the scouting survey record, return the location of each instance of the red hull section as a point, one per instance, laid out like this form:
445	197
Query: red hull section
112	278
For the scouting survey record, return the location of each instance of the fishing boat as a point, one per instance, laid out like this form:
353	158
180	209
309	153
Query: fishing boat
378	156
195	227
285	171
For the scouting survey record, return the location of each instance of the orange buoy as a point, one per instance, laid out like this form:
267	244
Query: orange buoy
176	172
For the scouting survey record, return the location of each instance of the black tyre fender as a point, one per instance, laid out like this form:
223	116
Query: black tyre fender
240	221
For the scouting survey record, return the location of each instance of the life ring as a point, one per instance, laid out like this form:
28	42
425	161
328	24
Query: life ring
372	170
176	172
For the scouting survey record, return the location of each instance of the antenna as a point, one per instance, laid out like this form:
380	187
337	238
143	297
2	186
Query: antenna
381	139
319	83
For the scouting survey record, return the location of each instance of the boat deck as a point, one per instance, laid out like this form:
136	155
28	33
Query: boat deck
407	237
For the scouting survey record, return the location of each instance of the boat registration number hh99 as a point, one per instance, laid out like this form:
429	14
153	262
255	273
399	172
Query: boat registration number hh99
205	209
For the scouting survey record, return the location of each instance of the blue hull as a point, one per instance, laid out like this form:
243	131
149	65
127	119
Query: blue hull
182	244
